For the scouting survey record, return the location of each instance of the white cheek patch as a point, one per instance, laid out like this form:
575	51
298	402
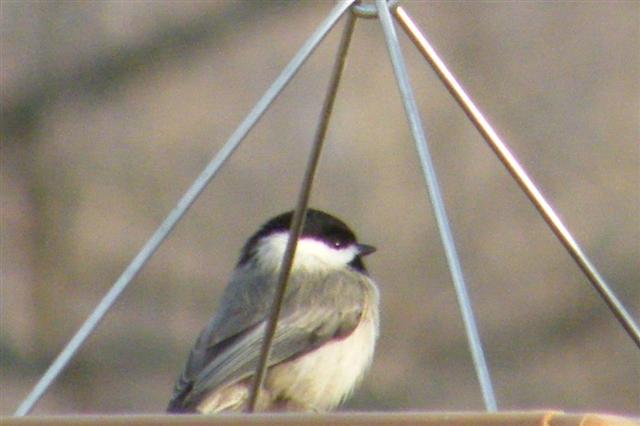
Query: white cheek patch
310	254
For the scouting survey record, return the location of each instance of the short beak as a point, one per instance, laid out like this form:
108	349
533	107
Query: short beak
365	249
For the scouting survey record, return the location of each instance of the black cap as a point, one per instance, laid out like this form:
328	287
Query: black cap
318	225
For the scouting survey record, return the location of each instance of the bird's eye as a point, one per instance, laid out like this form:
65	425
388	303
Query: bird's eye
336	243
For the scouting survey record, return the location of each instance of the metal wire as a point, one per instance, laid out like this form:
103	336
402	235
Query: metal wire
252	118
519	174
428	169
299	214
370	10
178	212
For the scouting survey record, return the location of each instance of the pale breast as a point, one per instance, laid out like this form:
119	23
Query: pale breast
321	379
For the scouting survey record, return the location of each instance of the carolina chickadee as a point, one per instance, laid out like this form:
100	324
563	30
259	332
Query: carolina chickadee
326	332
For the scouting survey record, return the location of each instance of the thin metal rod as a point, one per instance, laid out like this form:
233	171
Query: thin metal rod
519	174
299	214
428	168
176	214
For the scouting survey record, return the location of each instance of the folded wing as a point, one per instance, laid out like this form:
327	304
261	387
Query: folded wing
228	350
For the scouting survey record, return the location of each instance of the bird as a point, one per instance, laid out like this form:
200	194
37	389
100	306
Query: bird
325	336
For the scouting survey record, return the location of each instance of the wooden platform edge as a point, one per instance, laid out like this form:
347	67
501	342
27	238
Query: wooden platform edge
526	418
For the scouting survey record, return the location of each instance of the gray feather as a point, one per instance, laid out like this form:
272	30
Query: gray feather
228	349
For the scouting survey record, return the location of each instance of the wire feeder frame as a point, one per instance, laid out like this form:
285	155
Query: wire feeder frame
383	11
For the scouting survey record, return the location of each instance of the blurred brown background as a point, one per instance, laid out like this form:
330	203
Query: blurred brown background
111	108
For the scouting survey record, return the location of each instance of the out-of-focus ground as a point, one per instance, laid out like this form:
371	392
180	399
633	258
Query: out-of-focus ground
110	109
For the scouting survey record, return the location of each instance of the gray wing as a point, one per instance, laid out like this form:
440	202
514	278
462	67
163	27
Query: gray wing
228	350
243	306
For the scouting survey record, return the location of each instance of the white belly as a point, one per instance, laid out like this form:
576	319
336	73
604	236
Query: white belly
323	378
